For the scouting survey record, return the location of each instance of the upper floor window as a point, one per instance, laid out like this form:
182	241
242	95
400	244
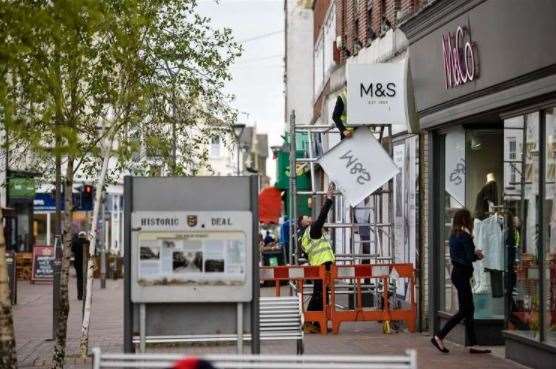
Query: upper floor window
323	53
215	147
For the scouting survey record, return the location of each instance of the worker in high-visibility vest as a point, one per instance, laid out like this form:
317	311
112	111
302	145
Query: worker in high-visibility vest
339	115
318	249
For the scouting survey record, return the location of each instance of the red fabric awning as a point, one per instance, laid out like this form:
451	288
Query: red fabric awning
270	205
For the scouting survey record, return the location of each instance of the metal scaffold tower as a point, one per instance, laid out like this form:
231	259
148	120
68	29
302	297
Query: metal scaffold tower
379	204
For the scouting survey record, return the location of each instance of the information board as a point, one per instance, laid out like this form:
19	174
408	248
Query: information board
191	256
43	263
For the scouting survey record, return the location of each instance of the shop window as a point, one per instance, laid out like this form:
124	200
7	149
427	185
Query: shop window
474	179
405	155
522	227
549	222
512	148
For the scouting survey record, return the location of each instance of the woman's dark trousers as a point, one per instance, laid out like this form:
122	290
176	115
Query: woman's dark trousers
315	304
461	278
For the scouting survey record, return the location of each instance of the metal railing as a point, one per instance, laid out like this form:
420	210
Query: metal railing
407	361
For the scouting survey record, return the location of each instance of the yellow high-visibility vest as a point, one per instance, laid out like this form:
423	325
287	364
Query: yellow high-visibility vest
318	251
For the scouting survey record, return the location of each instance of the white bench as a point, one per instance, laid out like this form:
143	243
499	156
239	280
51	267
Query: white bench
408	361
280	318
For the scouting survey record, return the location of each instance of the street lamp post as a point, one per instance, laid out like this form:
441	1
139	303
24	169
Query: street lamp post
238	131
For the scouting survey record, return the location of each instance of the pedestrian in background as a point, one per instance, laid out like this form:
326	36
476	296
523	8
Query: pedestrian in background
268	238
462	255
79	247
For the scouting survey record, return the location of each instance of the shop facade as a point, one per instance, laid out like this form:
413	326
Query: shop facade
110	222
484	73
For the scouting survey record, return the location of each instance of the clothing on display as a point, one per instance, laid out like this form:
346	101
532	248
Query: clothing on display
489	238
488	194
479	276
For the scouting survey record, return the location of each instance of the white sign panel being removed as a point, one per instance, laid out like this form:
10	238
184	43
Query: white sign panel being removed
191	256
358	166
380	94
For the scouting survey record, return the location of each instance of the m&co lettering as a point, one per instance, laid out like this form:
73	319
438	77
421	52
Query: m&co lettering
460	61
356	167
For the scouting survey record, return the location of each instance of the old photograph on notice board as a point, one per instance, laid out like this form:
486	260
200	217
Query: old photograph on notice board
184	258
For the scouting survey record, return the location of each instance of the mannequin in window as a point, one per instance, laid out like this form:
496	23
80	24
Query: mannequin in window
339	115
487	197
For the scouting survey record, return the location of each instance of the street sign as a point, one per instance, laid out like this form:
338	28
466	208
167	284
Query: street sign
358	166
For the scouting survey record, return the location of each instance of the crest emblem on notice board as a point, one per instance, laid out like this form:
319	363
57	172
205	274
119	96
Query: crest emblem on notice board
192	220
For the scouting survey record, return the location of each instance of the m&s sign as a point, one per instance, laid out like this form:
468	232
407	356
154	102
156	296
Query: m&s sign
376	94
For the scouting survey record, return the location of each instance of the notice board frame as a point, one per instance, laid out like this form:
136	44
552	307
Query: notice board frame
196	194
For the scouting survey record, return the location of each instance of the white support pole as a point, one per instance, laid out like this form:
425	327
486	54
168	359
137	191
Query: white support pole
240	328
142	327
48	229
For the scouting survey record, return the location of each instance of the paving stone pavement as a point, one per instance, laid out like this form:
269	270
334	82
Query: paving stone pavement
33	326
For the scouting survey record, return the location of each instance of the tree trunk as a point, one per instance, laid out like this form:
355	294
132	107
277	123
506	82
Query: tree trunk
8	358
62	328
84	342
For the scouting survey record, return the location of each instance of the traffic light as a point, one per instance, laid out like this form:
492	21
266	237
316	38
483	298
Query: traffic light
87	194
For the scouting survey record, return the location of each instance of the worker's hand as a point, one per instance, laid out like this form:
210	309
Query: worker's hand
479	254
348	133
330	191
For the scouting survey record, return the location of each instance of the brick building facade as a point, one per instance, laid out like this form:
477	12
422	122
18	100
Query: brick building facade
358	23
366	31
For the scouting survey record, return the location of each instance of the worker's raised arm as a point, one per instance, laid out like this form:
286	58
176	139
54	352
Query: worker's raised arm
316	228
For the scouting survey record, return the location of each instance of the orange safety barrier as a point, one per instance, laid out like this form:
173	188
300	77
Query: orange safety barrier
299	274
356	272
385	313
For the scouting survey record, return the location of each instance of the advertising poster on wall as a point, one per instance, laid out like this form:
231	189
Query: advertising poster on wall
455	167
405	205
191	258
399	206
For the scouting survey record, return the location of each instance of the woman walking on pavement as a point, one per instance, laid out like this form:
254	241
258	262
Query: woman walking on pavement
462	255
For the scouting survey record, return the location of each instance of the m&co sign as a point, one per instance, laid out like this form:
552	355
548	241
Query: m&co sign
460	57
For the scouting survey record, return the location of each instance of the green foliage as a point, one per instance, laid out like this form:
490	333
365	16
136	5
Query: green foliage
147	73
139	76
